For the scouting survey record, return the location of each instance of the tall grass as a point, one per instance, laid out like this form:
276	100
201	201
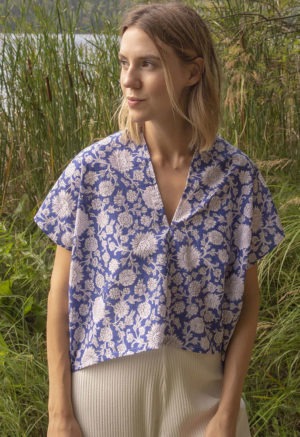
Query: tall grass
259	48
56	98
272	387
24	273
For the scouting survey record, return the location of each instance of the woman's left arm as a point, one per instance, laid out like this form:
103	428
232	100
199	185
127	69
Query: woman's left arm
238	354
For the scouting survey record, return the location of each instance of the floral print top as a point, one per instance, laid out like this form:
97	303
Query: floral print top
138	282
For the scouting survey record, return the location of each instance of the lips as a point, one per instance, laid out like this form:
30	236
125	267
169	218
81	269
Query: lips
134	102
134	99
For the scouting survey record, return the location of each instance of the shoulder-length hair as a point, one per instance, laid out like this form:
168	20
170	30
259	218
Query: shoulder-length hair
181	28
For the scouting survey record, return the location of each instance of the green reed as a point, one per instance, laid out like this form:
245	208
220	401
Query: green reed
272	387
259	49
59	97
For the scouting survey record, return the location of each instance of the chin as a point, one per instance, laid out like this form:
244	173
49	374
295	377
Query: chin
137	119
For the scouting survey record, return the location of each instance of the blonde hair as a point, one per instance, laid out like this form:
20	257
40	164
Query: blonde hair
181	28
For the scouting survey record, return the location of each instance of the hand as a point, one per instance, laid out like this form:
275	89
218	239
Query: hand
64	427
220	427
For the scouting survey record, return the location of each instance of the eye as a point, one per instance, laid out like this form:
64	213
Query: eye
147	64
123	63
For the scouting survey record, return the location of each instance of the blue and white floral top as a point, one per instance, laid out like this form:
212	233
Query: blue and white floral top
138	282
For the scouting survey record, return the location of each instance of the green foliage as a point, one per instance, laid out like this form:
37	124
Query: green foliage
259	48
25	263
272	387
57	96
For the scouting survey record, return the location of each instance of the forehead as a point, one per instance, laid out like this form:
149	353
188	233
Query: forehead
136	42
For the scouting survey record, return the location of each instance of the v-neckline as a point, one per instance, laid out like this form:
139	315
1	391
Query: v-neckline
158	192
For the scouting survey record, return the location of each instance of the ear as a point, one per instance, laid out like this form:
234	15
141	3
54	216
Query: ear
196	69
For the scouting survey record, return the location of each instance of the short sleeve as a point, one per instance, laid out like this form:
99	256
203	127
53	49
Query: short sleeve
266	229
57	214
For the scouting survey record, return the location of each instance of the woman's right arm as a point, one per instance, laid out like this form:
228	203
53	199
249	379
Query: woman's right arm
62	422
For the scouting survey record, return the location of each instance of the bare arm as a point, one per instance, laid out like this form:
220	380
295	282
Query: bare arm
61	417
237	360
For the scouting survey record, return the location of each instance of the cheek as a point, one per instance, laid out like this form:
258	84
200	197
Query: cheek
159	87
124	90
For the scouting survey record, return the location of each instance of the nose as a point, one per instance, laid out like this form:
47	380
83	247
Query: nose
130	78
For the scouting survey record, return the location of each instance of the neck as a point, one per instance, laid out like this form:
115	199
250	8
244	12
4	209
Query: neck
168	144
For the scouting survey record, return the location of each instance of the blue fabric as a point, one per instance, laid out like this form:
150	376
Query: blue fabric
138	282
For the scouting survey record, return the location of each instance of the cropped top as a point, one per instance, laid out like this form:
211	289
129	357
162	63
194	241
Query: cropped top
138	282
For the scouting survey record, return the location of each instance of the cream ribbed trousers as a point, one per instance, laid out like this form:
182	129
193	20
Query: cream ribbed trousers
167	392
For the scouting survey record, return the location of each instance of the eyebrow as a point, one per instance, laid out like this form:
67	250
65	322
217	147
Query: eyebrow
150	56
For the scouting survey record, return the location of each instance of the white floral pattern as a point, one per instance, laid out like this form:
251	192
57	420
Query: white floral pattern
138	282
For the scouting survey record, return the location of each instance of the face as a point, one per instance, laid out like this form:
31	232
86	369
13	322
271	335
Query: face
143	80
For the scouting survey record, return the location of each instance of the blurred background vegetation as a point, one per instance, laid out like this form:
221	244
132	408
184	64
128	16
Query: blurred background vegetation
58	92
87	15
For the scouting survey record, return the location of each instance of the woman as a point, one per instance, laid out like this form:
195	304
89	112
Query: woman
154	294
